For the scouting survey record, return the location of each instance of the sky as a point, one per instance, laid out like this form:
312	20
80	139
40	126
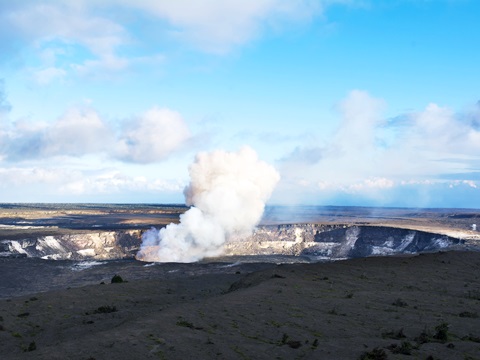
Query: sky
354	102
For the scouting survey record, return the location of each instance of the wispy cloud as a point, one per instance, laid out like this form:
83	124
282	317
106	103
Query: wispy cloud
56	183
220	25
114	181
48	25
60	39
48	75
91	38
5	106
368	155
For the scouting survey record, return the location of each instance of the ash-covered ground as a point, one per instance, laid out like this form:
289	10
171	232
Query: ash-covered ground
20	220
102	232
263	299
54	246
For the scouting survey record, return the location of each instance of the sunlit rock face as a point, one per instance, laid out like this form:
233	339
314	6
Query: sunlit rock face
316	241
99	245
337	241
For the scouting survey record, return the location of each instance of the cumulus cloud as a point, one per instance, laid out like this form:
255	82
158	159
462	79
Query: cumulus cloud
469	183
149	138
78	132
369	155
440	132
361	117
350	153
153	136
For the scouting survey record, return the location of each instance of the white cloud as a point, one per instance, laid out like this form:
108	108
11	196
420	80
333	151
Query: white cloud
370	184
219	25
469	183
100	67
44	21
48	75
64	184
364	185
77	133
438	131
52	28
361	118
417	182
366	156
4	104
153	136
17	177
351	154
114	181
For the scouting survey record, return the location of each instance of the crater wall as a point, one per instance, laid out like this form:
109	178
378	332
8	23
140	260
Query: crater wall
337	241
313	240
99	245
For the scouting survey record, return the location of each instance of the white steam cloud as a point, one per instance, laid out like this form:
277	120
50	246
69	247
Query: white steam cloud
228	191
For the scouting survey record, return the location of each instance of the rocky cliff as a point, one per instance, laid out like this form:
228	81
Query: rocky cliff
94	245
312	240
337	241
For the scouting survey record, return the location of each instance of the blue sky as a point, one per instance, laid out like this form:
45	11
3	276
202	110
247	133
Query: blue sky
354	102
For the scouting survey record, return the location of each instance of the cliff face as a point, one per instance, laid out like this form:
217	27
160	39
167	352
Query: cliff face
99	246
336	241
279	239
313	240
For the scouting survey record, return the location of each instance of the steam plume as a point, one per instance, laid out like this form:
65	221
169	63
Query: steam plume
228	192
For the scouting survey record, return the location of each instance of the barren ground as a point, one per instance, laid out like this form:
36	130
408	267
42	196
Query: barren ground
54	219
421	307
425	306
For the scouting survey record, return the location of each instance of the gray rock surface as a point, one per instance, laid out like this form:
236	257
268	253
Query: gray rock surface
337	241
316	241
95	245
